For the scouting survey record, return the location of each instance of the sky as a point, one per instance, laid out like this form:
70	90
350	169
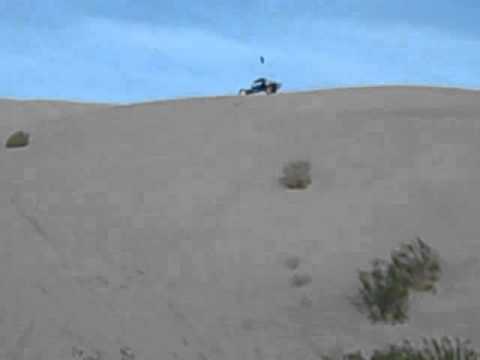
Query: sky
125	51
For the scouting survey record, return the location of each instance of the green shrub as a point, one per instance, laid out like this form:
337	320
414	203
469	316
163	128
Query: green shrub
383	295
300	280
386	289
296	175
127	353
17	139
418	264
445	348
357	355
292	262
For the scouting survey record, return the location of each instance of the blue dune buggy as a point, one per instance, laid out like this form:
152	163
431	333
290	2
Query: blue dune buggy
261	85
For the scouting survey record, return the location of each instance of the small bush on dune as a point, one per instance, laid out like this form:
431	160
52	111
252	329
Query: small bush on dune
418	264
445	348
296	175
383	294
127	353
292	262
385	291
357	355
17	139
300	280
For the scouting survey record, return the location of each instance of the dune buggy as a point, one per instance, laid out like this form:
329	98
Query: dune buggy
261	85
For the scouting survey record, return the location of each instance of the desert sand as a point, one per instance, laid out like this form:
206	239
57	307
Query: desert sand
162	226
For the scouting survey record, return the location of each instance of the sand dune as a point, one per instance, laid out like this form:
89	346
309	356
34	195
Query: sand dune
161	226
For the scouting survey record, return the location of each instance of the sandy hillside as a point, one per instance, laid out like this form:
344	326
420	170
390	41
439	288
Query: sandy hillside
162	226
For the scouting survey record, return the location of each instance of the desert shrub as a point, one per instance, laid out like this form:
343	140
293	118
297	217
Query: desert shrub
292	262
357	355
445	348
418	264
296	175
127	353
386	289
300	280
383	295
17	139
85	354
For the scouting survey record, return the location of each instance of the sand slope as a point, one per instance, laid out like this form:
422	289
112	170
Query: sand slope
161	226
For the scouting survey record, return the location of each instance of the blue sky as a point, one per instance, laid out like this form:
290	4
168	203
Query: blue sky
143	50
